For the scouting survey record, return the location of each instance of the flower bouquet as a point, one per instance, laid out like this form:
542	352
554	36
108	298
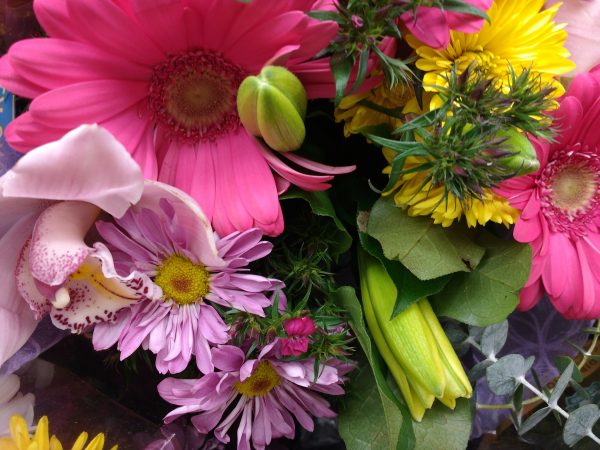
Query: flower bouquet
251	224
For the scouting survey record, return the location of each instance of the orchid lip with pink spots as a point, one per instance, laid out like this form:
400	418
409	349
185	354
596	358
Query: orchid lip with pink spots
46	214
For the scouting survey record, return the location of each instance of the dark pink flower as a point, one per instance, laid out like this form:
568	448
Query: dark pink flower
294	346
433	25
560	207
299	326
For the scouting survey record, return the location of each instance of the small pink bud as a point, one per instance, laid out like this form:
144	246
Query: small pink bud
357	21
294	346
299	326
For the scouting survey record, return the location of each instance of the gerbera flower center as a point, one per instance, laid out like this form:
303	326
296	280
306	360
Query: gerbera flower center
262	381
570	190
193	95
182	280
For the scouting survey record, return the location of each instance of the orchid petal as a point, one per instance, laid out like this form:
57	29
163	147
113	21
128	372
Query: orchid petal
17	322
107	177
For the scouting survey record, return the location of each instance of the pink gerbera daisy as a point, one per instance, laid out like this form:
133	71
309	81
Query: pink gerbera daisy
162	76
560	207
265	392
156	242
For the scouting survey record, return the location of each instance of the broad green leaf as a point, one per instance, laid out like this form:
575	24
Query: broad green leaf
321	205
427	250
362	421
491	292
443	428
410	289
397	423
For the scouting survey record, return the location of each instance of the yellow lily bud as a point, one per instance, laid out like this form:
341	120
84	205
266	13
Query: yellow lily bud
272	105
413	344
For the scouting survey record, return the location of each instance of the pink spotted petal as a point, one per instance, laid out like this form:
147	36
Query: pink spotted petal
97	292
431	26
107	177
57	246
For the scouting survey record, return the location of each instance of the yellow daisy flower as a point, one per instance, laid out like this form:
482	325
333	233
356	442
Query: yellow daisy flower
423	199
357	115
520	34
21	440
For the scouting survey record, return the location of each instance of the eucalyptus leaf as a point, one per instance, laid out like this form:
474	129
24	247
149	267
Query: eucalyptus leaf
502	376
490	292
494	338
321	205
478	370
561	384
534	419
429	251
580	423
397	424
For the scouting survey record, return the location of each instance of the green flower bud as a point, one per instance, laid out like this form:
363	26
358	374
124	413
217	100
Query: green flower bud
272	105
524	159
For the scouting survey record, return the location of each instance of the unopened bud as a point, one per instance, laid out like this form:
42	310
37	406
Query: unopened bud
272	105
524	158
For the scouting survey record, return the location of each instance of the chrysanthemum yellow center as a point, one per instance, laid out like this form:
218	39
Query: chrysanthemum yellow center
573	188
193	95
182	280
262	381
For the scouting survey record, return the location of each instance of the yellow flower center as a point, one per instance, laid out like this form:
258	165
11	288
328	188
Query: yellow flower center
182	281
262	381
573	188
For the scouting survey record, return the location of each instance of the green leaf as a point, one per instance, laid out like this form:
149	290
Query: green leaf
341	66
491	292
397	425
464	7
321	205
410	289
427	250
443	428
325	15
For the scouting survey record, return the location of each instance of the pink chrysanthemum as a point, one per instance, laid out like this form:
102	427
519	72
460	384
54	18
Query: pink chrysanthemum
182	323
433	25
162	76
560	207
267	393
